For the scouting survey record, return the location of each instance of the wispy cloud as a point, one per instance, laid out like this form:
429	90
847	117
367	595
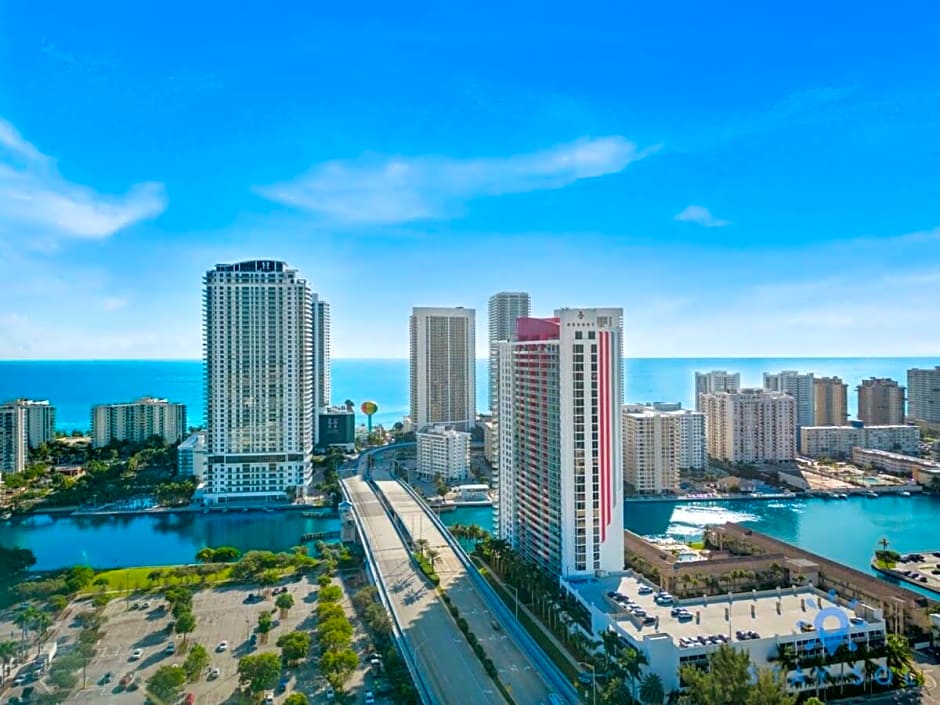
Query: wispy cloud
389	190
700	216
37	201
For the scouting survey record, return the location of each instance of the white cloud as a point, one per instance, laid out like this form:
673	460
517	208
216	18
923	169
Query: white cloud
701	216
36	201
388	190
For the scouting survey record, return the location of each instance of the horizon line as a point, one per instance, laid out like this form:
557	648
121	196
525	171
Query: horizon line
486	359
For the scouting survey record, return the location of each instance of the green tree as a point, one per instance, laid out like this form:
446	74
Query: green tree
259	671
8	651
725	683
185	624
57	603
166	684
651	690
265	625
331	593
284	602
813	700
14	561
206	555
78	578
197	660
296	699
294	646
337	665
769	689
899	653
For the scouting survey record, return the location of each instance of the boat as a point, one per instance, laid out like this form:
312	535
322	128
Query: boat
840	495
6	516
268	509
904	493
871	494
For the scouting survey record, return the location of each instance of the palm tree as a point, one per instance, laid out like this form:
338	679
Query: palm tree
421	545
900	655
651	690
884	543
631	662
7	654
432	554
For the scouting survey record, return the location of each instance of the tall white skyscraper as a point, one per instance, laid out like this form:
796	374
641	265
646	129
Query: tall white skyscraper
13	437
321	353
40	421
923	394
749	426
715	381
561	467
504	309
260	382
443	367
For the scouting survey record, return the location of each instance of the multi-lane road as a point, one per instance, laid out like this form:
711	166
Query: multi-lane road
451	670
516	669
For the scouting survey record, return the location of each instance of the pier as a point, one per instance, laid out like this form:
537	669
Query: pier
319	536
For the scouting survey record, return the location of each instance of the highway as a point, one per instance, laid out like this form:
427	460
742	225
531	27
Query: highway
451	670
516	670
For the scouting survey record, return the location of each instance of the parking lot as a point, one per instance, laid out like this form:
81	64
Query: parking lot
222	615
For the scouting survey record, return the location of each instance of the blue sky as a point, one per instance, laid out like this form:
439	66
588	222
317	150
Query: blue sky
742	180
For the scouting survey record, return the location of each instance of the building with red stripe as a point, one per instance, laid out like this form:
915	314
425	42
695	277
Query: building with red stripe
560	485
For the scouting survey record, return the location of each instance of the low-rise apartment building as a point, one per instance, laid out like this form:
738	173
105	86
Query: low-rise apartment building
923	471
838	441
443	453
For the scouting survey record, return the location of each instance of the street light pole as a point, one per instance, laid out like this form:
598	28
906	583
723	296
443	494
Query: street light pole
593	679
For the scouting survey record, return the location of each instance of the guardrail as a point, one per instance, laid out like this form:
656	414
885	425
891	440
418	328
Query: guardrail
424	692
556	679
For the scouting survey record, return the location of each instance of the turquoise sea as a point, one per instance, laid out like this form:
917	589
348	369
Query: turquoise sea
74	386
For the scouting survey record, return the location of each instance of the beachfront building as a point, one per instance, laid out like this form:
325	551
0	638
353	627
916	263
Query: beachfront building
320	323
192	458
443	453
137	421
337	426
923	395
715	381
560	502
923	471
13	437
764	624
830	397
800	387
40	421
837	442
750	426
880	402
659	440
505	308
443	367
260	383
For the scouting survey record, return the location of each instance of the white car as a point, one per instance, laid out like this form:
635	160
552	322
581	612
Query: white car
136	654
214	673
20	679
223	646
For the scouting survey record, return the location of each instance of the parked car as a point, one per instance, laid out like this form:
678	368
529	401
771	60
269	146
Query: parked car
136	654
223	646
214	673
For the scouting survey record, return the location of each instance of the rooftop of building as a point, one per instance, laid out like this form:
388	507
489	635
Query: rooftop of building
773	613
857	426
337	410
441	430
891	455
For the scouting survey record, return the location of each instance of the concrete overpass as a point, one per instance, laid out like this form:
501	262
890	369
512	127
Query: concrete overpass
523	667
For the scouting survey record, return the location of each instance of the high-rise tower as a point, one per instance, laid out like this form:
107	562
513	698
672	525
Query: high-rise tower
504	309
561	468
260	382
443	367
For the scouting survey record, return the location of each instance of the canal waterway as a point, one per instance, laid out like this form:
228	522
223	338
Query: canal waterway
843	530
159	538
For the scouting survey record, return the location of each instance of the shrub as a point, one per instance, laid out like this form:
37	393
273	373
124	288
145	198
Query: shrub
462	623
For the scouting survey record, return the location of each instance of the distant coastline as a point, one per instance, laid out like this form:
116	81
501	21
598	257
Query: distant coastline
73	386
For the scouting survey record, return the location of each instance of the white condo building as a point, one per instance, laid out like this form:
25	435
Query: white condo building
505	308
753	425
658	444
923	394
260	382
321	352
40	422
800	387
443	367
136	421
13	437
192	458
560	441
443	453
838	441
715	381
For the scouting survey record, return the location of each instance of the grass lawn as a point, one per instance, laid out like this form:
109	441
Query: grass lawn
136	578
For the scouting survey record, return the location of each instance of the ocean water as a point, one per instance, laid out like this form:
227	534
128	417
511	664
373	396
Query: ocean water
74	386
